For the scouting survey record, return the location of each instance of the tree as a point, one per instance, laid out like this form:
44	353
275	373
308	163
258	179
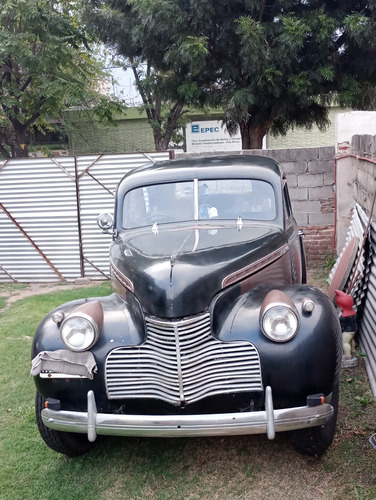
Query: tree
168	82
271	64
45	68
163	101
291	59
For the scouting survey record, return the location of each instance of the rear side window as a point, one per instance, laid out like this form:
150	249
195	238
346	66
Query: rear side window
287	201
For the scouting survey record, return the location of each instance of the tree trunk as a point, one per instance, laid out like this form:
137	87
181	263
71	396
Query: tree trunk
162	139
158	139
20	150
252	135
19	145
4	151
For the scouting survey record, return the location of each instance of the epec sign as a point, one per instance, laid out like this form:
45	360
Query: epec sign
210	136
196	129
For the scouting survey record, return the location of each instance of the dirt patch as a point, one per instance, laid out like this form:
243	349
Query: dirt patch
317	277
13	292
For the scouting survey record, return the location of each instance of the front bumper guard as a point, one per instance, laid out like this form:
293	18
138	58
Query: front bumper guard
267	422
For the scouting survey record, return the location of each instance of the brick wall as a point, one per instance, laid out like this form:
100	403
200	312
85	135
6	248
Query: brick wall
318	242
310	176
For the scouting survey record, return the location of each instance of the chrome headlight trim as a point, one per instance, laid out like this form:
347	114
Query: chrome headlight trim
279	318
79	332
81	329
105	221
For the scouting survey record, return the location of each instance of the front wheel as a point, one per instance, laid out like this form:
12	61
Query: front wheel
314	441
67	443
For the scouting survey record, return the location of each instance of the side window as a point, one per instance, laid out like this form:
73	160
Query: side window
286	201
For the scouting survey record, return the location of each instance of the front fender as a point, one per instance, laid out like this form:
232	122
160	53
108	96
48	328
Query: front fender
123	324
307	364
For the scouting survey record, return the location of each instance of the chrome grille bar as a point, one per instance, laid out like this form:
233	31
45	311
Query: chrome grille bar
180	362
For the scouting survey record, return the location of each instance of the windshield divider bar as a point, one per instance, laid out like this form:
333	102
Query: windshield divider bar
195	198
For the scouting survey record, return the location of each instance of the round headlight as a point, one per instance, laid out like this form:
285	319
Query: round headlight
79	332
105	221
279	323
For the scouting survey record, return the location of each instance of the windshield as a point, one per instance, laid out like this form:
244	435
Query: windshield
197	200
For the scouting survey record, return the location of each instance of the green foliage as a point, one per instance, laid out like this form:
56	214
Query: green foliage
293	58
167	62
237	108
10	287
360	29
188	51
330	260
365	400
46	67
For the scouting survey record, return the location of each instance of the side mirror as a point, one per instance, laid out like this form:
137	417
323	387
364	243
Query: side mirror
105	221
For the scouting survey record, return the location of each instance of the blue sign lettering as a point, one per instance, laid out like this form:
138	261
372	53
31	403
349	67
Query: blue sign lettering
203	130
209	129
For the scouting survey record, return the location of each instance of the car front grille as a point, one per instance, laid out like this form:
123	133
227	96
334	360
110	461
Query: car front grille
180	362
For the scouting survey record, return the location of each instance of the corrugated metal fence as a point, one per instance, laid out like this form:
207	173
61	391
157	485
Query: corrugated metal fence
364	291
48	211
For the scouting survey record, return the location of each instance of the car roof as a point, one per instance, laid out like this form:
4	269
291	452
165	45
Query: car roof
211	167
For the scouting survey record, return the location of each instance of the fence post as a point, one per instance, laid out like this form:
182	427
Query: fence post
79	226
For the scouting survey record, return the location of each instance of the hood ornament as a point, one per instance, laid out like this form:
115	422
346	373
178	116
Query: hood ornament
155	228
239	224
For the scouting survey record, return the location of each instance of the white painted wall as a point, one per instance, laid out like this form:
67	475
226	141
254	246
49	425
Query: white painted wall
354	123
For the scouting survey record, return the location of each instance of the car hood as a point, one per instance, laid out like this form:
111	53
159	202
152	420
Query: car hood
177	272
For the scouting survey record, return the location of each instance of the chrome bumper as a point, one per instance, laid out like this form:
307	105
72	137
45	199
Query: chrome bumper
268	421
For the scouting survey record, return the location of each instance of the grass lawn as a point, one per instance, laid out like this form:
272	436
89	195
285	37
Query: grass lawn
244	467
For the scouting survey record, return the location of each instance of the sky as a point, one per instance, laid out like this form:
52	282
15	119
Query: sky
122	86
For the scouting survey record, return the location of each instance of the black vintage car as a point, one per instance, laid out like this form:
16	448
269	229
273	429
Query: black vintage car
211	329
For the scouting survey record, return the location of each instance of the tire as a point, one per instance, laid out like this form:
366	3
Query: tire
67	443
314	441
